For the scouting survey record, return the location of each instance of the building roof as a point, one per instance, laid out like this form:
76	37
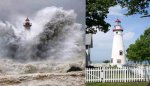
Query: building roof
117	20
27	19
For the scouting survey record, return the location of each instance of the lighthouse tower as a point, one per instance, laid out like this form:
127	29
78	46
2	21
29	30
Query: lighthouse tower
118	52
27	24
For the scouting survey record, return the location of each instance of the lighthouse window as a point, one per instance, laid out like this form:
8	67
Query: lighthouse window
120	52
118	61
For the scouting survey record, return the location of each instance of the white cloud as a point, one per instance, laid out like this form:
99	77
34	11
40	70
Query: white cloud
128	35
116	10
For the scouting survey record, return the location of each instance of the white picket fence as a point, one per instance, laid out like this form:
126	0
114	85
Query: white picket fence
124	74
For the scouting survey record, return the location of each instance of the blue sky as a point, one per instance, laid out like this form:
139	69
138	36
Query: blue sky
133	27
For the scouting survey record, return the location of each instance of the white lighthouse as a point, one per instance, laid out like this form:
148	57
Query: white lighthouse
118	52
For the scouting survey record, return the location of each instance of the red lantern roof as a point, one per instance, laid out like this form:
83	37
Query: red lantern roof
117	20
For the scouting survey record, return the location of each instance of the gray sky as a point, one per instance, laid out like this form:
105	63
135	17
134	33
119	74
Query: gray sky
10	8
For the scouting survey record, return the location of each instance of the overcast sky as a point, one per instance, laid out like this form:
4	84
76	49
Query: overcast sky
11	8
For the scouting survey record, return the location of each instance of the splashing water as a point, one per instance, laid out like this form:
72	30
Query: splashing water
54	35
53	44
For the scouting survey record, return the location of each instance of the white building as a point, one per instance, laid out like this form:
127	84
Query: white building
118	52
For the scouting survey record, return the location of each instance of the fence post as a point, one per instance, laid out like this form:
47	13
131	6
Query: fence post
103	74
124	74
145	74
86	74
98	74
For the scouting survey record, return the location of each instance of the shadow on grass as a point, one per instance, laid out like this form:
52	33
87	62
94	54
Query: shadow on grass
119	84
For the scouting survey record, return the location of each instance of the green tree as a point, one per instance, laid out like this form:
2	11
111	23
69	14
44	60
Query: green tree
106	61
140	51
96	13
136	7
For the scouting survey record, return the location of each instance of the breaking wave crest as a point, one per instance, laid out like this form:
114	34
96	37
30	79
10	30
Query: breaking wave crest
54	35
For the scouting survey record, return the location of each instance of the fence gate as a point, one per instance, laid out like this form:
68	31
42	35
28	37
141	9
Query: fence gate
95	74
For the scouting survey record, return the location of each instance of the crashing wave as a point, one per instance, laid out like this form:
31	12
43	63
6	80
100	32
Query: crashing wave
55	35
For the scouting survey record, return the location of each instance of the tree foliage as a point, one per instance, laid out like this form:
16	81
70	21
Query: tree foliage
97	10
106	61
96	13
136	7
140	51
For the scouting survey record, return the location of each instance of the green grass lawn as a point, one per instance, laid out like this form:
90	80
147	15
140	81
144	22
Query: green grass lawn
118	84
